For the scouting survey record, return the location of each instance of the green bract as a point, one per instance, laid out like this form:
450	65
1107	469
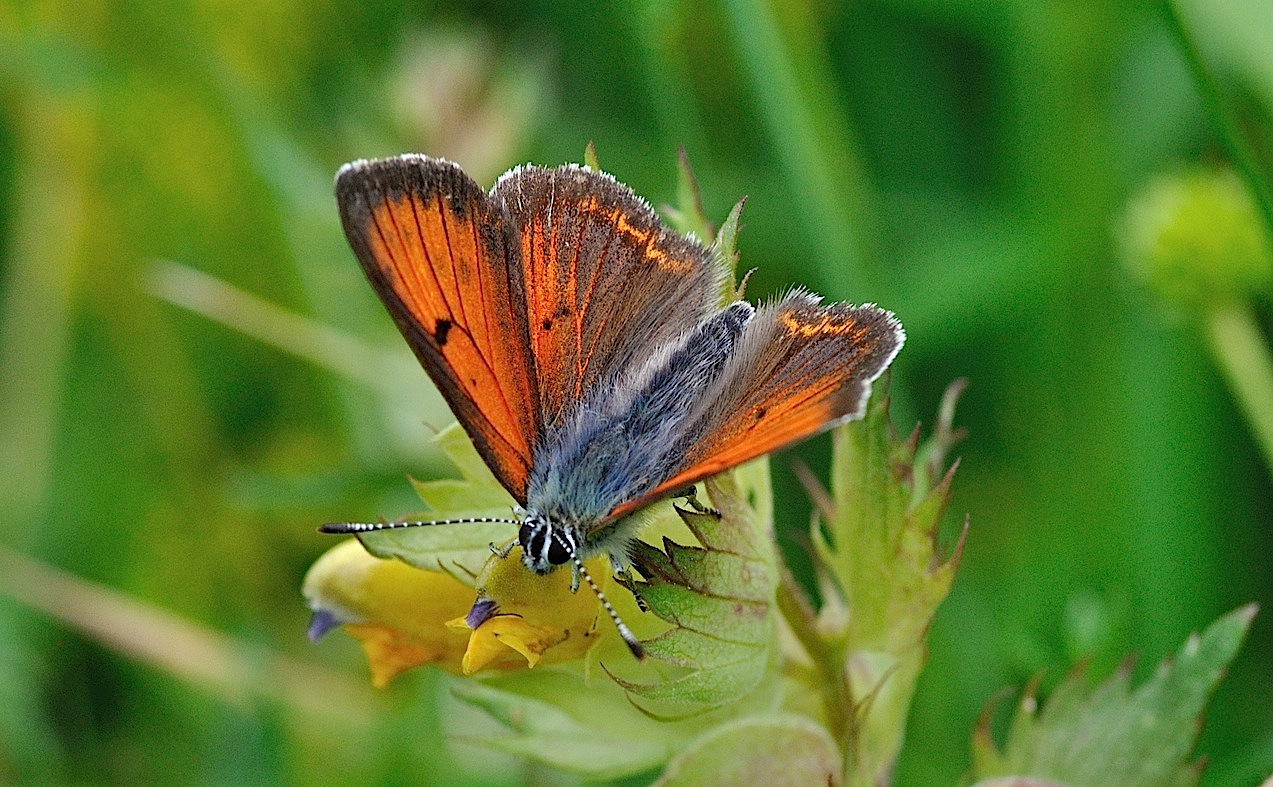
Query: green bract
717	596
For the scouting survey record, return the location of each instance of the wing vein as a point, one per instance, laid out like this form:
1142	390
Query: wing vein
460	319
484	353
393	258
461	313
585	360
579	307
412	284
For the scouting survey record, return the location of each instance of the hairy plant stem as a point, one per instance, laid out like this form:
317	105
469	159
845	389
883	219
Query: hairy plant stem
828	660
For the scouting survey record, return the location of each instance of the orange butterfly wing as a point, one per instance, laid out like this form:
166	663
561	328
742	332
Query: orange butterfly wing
439	254
799	368
605	281
519	302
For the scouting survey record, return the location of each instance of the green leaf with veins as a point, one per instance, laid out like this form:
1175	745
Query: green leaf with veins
717	596
881	577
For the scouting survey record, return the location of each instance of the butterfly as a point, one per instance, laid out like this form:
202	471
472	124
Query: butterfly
583	347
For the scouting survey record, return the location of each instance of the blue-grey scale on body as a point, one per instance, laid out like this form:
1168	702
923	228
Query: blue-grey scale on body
621	442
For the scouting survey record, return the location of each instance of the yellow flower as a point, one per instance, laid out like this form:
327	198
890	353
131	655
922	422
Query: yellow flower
396	611
406	616
538	617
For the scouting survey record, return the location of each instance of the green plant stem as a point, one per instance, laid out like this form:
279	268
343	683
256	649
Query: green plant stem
1235	338
837	694
1243	354
1240	147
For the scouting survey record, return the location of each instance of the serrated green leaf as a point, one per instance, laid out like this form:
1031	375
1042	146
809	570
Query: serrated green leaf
877	548
717	596
757	750
728	620
1112	735
687	216
711	573
703	687
687	648
881	546
725	250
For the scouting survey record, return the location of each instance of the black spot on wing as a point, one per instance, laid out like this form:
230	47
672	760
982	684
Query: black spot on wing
440	330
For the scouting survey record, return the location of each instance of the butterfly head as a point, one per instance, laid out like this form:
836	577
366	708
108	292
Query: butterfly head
544	545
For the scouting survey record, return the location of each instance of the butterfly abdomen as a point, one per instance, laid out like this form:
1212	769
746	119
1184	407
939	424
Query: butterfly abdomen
617	447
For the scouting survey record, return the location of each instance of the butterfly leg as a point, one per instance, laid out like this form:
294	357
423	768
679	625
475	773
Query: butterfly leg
624	577
690	496
502	552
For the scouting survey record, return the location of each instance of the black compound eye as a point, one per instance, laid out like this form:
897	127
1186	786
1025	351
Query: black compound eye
557	552
523	535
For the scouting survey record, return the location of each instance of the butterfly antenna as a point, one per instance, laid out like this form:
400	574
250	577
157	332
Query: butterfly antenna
346	528
628	637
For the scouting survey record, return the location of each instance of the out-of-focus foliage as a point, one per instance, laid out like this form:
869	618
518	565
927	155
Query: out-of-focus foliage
964	164
1112	733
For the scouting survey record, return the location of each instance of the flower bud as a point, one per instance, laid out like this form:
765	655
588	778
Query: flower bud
1198	237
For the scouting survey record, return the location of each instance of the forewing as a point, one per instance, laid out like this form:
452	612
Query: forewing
799	369
606	282
437	251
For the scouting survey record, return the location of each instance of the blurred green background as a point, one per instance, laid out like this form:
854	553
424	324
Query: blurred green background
193	373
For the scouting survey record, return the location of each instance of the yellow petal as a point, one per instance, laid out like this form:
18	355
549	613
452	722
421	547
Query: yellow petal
398	612
491	643
535	616
390	652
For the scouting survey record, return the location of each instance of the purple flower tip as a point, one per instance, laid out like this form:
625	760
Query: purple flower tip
483	609
321	623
